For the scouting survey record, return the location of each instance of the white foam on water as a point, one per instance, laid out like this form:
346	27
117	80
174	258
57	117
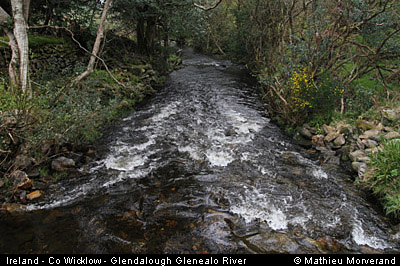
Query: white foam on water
144	146
219	158
362	238
318	173
66	199
193	152
165	112
128	175
275	218
125	162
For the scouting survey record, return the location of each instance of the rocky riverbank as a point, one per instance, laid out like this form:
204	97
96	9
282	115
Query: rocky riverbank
353	143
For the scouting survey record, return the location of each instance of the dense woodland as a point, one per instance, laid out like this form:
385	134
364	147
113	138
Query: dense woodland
68	68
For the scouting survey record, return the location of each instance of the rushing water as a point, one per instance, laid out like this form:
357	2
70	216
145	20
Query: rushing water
200	169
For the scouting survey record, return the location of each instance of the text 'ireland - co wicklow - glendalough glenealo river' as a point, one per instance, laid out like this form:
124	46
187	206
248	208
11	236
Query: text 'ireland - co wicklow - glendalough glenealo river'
199	168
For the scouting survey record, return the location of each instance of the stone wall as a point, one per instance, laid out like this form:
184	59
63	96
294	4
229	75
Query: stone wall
355	144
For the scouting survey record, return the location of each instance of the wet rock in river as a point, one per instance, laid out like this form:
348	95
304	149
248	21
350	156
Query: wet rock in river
21	180
303	142
34	195
306	133
62	163
273	243
328	243
12	208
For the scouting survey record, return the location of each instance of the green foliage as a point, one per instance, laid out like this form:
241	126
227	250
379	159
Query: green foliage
384	179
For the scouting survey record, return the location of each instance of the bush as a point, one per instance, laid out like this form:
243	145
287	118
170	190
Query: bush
383	177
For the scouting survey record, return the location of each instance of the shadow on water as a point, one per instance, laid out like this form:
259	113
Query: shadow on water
200	169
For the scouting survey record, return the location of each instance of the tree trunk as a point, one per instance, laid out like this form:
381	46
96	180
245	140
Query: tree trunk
150	34
141	37
21	37
96	46
12	68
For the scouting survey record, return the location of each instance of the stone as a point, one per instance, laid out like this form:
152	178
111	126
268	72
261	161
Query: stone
356	156
303	142
359	166
331	136
371	134
394	141
328	243
34	195
22	162
364	125
339	141
343	128
12	208
372	151
360	144
306	133
328	129
391	115
274	243
62	163
369	143
392	135
318	141
21	180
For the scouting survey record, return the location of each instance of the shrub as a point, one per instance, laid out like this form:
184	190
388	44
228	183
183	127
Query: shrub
383	178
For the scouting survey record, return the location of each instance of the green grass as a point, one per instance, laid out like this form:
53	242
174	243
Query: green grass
36	40
383	178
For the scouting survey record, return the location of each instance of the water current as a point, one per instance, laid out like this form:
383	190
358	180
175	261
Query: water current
199	168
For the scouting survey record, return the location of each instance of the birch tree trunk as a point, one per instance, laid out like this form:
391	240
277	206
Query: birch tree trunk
21	37
96	46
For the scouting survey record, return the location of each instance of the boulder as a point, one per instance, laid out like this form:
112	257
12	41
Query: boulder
62	163
328	129
358	156
13	208
344	128
306	133
369	143
391	115
392	135
318	141
331	136
360	168
371	134
22	162
303	142
339	141
364	125
21	180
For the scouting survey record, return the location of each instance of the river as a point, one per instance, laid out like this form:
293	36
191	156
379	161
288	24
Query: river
199	168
